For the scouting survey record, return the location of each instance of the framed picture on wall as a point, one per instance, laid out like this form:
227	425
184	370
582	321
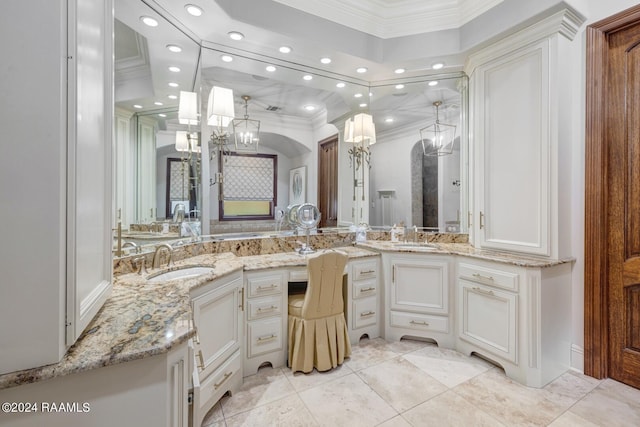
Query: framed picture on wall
298	185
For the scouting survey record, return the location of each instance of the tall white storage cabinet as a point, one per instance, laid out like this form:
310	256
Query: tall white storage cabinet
518	87
56	174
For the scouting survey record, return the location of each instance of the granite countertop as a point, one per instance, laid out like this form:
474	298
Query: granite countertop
293	259
142	319
465	249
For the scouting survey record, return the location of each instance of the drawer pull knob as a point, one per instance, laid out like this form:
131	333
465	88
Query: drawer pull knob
271	286
367	289
367	313
226	377
481	277
263	339
483	291
413	322
200	360
261	310
367	272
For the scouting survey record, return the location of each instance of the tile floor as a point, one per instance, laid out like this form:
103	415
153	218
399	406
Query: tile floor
412	383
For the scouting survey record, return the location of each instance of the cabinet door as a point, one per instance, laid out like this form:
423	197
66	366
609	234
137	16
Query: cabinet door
420	285
216	317
512	162
488	318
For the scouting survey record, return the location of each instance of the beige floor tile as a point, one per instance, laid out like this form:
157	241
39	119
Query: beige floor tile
286	412
407	346
347	401
401	384
214	417
610	404
368	353
266	386
509	402
569	419
568	388
447	366
302	381
395	422
449	409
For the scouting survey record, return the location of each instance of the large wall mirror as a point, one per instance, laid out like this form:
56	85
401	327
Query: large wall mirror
301	113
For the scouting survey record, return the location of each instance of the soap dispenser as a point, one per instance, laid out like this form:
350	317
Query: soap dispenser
394	233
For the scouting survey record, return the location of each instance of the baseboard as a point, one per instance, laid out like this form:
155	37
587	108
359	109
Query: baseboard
577	358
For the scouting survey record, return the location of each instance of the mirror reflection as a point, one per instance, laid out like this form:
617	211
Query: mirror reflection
299	152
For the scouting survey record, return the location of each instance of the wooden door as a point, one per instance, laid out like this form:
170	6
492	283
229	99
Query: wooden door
328	181
612	258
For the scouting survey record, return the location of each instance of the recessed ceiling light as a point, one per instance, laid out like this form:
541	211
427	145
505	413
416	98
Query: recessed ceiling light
437	65
147	20
235	35
340	85
389	120
285	49
325	60
194	10
174	69
158	103
226	58
172	96
173	84
270	68
361	70
309	107
399	86
363	105
307	77
433	83
162	115
138	106
399	70
174	48
357	95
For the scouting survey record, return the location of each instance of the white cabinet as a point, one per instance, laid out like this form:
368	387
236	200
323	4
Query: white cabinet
266	319
518	166
418	295
362	299
218	320
56	183
488	318
151	391
518	317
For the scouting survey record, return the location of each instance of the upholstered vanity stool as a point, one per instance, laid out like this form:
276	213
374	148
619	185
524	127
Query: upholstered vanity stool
318	336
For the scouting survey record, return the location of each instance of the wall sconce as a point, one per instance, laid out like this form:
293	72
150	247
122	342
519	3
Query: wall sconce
361	131
437	139
246	131
188	108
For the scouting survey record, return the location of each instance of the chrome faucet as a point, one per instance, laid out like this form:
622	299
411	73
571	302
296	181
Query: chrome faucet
132	244
139	262
156	255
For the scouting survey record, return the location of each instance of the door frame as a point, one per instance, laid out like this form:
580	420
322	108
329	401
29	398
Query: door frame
330	139
596	323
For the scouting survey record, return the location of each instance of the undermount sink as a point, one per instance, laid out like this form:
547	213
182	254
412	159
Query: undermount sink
180	273
421	245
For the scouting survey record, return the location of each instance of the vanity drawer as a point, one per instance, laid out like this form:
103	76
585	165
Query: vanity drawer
365	270
365	312
264	285
264	307
423	322
212	387
489	276
264	336
300	275
364	288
